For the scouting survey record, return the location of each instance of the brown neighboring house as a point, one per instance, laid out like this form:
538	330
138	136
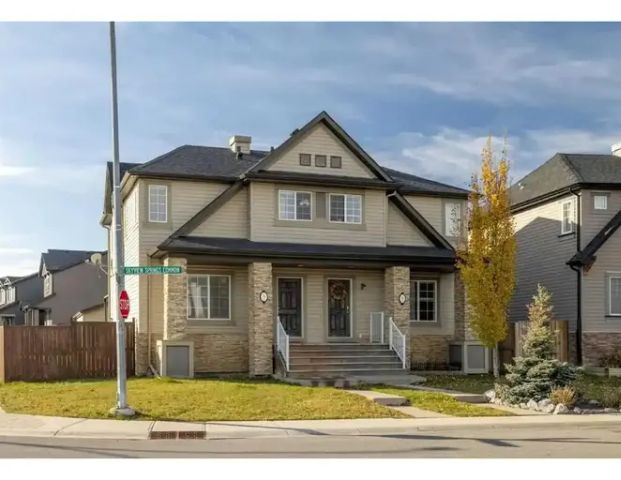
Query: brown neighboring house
310	259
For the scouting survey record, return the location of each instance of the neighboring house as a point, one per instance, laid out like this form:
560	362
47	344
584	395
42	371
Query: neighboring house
566	214
15	294
313	234
73	281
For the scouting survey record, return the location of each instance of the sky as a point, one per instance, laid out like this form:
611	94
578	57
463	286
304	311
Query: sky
419	97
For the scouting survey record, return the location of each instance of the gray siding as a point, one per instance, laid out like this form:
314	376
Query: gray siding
27	292
542	254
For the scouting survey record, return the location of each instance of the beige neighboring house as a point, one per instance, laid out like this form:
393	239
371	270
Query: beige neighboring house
96	313
309	259
567	213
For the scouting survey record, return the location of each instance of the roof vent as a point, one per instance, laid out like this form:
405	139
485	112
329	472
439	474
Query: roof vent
616	149
240	144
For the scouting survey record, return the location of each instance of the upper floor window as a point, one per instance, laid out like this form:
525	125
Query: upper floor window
294	205
209	297
47	284
2	296
452	219
600	202
614	294
345	208
158	203
567	217
423	300
10	294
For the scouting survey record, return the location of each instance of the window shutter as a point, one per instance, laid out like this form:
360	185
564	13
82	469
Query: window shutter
320	207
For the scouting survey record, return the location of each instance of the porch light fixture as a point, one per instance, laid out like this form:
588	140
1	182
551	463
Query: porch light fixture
263	296
402	298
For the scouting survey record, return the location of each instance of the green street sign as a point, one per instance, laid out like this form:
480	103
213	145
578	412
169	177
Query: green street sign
154	270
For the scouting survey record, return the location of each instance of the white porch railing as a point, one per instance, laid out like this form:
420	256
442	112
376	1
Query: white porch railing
396	340
376	327
282	343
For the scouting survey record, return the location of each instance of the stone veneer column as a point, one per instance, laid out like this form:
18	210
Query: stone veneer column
175	301
260	319
396	282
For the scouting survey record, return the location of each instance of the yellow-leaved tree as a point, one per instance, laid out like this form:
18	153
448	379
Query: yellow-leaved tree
487	259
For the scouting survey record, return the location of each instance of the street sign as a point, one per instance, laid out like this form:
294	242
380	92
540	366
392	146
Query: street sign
153	270
124	304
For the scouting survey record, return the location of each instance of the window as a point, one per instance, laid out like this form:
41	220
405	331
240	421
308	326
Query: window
305	159
335	162
7	320
2	296
452	219
614	294
294	205
567	222
600	202
423	300
345	208
47	285
321	160
158	203
10	294
209	297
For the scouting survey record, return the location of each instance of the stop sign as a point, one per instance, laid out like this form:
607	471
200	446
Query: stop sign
124	304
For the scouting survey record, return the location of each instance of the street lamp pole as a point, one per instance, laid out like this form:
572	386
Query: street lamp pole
121	407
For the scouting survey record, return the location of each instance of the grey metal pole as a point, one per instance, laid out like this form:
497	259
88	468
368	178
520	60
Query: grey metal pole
117	255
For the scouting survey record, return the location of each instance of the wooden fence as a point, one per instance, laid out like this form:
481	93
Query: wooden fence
512	346
79	350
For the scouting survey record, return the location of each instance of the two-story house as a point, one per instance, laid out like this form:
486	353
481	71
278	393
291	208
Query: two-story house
15	294
73	281
310	258
566	214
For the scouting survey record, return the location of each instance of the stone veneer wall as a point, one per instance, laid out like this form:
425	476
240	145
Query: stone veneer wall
430	352
175	301
220	353
142	358
396	282
260	319
597	345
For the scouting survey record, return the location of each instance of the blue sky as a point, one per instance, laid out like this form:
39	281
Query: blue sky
419	97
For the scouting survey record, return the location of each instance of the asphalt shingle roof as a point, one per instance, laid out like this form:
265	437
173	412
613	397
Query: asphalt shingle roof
564	170
56	260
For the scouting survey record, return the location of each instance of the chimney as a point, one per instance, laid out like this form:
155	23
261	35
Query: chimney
616	149
240	144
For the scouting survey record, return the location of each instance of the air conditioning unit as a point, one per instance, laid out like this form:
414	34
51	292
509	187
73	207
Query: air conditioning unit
176	358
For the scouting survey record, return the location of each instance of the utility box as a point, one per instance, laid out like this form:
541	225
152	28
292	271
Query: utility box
469	357
176	358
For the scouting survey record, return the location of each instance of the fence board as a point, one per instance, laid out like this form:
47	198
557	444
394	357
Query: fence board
79	350
561	338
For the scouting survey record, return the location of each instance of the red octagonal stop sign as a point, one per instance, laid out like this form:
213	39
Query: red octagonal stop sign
124	304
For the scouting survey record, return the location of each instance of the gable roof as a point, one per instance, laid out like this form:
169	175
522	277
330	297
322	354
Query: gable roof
57	260
339	132
408	183
12	280
566	170
587	257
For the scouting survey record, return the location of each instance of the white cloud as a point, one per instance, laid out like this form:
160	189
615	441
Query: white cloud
17	260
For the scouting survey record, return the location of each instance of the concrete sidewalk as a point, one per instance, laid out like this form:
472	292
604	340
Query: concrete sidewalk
41	426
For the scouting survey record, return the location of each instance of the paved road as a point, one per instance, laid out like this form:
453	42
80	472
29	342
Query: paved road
542	441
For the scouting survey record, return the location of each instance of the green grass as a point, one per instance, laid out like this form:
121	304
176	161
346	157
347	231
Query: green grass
589	387
441	403
190	400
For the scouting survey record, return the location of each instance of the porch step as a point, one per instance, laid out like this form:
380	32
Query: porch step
339	372
345	365
322	359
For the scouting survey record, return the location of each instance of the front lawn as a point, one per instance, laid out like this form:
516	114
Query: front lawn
190	400
591	387
441	403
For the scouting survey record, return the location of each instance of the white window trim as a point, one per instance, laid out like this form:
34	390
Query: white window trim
413	301
603	196
345	195
48	288
208	318
612	275
290	277
571	217
165	187
2	296
10	295
296	219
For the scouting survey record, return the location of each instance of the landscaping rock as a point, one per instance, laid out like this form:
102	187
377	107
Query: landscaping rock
490	395
532	404
542	404
577	410
610	410
548	408
594	404
561	409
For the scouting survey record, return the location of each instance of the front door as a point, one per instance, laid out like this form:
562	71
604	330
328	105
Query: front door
339	306
290	305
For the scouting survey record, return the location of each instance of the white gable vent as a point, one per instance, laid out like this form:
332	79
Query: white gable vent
176	358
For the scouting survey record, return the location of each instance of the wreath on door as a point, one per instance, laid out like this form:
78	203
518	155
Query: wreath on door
338	291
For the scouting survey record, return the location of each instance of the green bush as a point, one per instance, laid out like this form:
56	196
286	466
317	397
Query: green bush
611	398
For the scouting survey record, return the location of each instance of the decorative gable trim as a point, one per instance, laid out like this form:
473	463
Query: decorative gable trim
339	132
586	258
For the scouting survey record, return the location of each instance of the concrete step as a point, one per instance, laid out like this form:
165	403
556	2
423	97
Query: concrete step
343	359
338	346
344	366
341	372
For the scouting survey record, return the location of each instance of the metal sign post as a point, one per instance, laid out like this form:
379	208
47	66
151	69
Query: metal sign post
121	407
